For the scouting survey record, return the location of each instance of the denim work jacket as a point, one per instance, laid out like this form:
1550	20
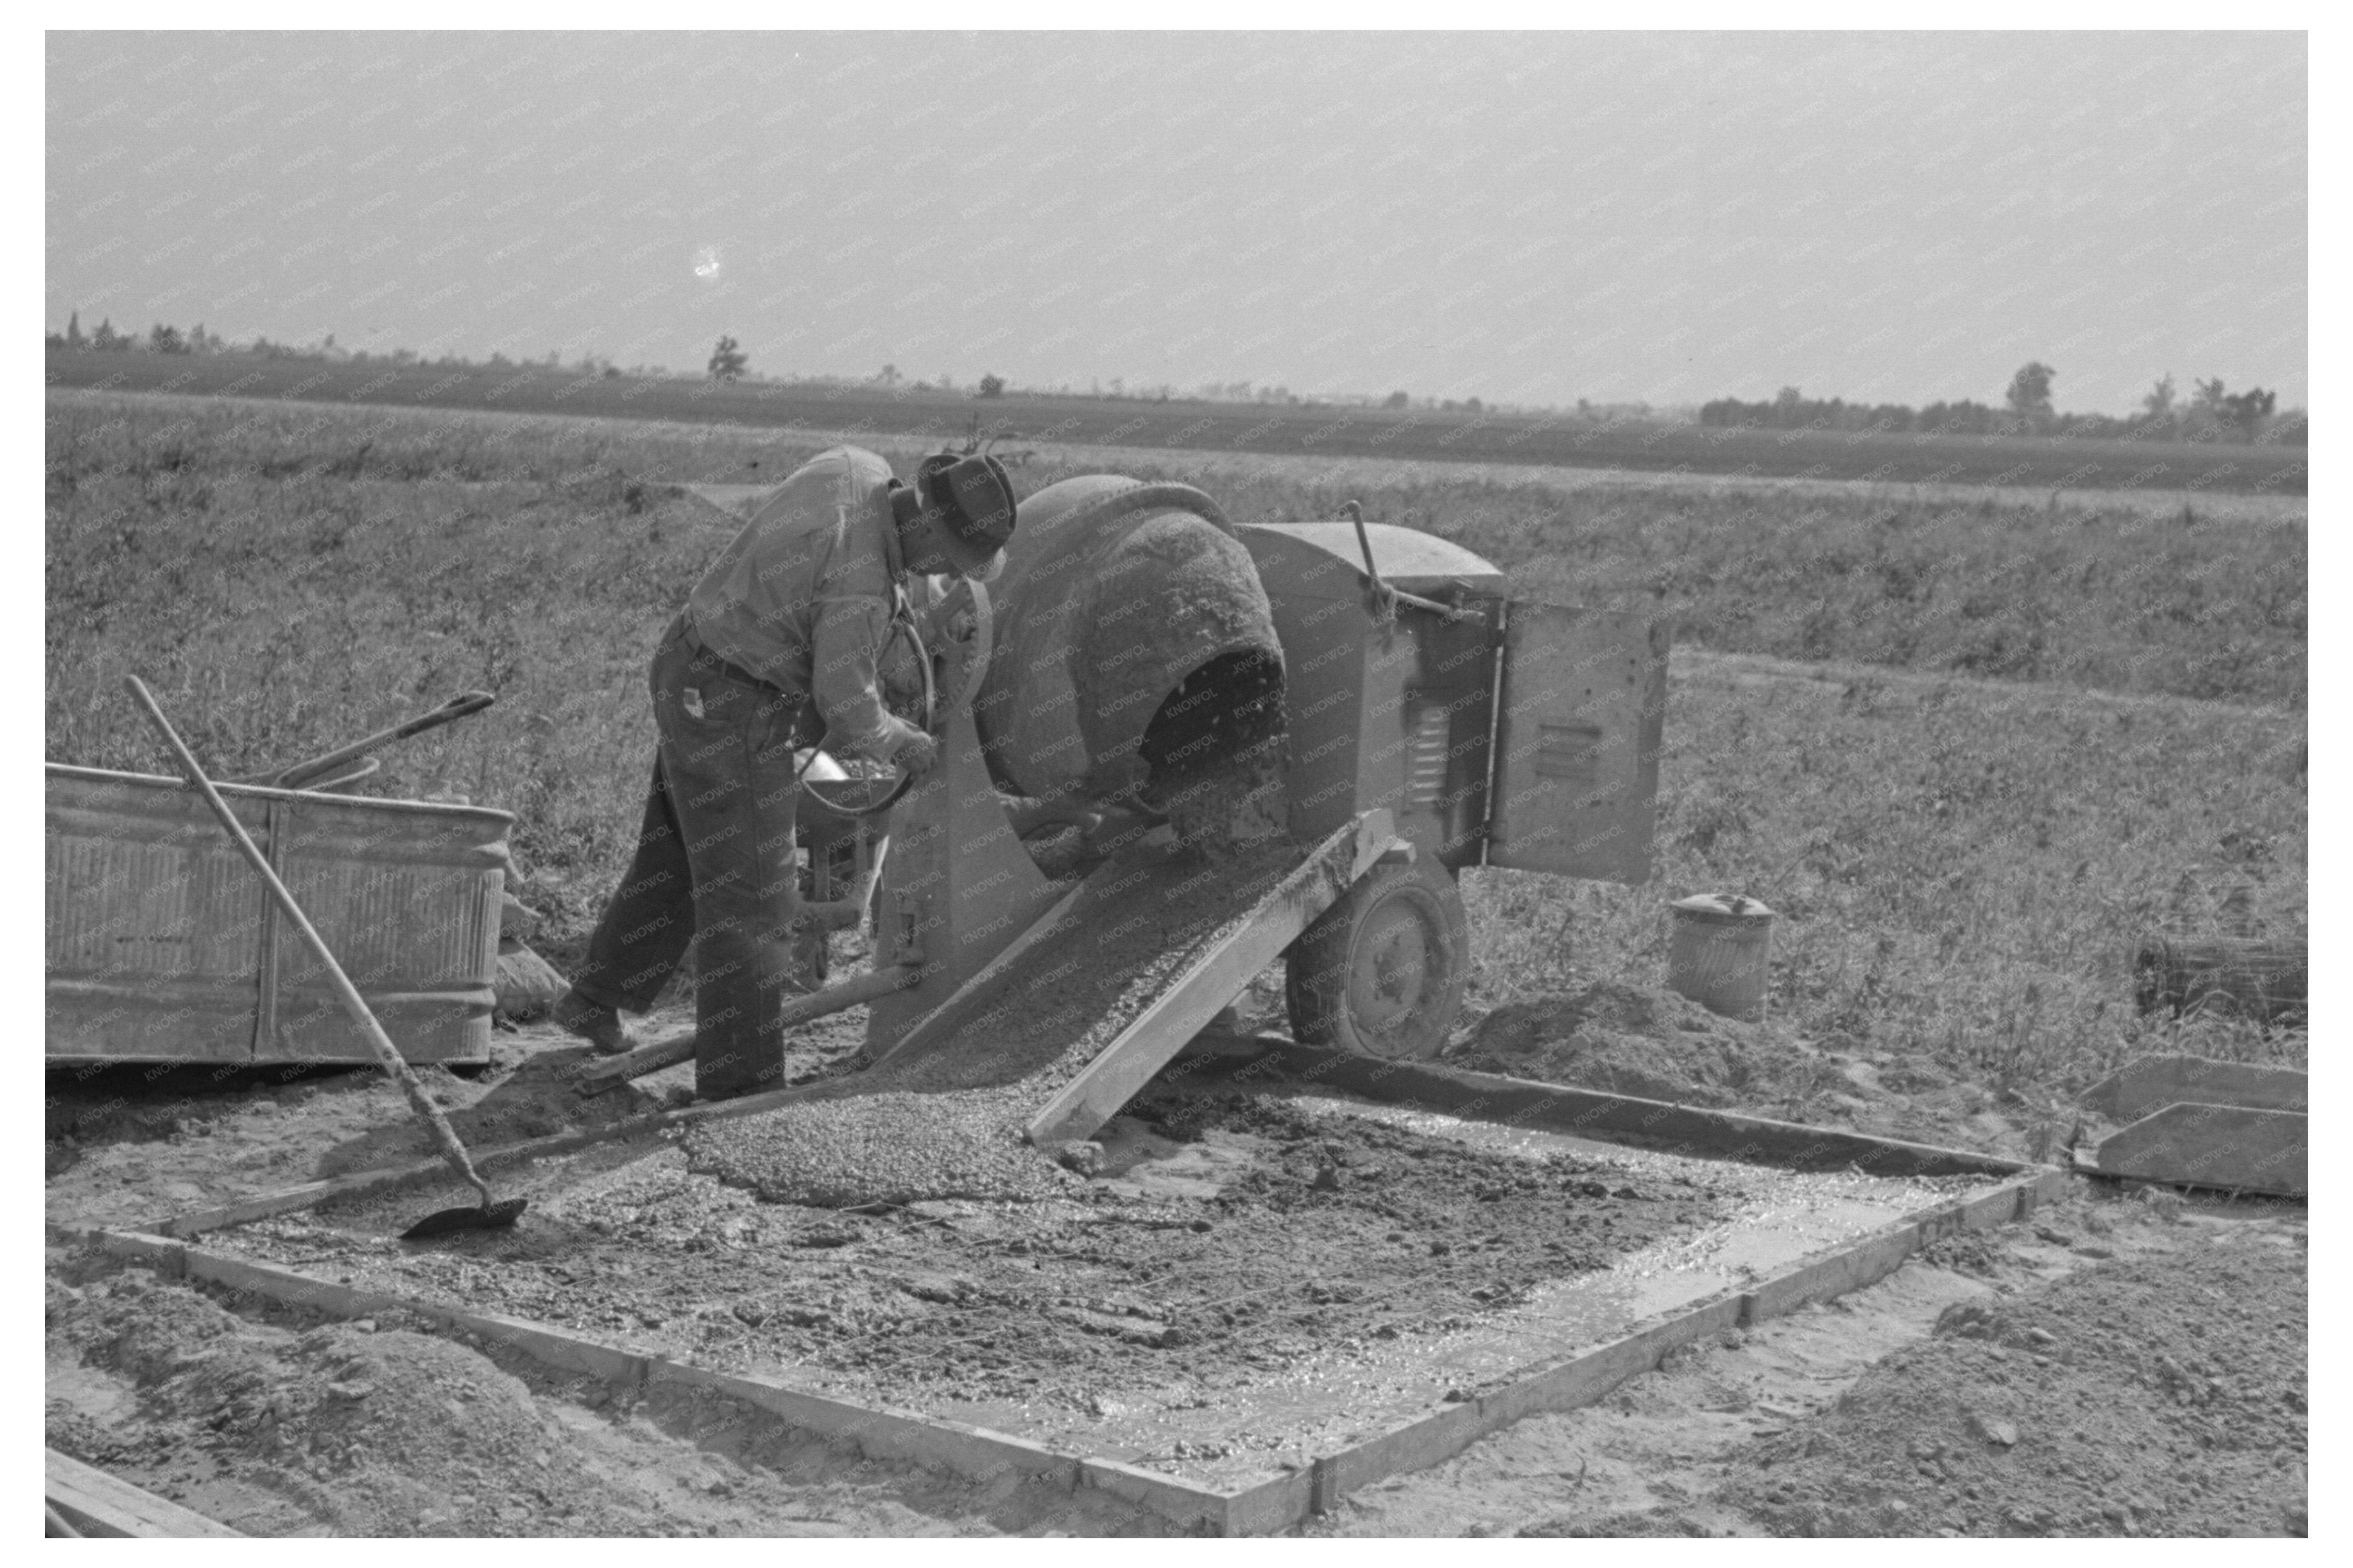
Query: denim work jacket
805	597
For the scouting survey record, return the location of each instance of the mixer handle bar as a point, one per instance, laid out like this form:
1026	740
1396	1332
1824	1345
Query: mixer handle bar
1386	599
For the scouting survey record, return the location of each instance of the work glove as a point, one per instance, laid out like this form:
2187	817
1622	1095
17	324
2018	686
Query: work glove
916	755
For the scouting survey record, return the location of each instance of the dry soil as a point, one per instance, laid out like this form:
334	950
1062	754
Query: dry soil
275	1425
2126	1366
2167	1397
1656	1045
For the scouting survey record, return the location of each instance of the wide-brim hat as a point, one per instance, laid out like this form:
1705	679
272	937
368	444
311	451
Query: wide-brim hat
969	503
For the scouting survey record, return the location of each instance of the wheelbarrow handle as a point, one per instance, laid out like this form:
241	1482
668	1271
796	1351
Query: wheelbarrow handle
318	767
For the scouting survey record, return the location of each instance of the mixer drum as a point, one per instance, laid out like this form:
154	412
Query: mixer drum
1130	624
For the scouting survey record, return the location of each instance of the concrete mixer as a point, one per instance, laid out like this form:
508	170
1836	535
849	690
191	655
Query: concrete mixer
1402	713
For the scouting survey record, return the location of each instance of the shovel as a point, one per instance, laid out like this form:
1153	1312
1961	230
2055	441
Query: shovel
492	1214
302	775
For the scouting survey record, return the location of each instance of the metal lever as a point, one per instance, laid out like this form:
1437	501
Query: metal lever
1386	599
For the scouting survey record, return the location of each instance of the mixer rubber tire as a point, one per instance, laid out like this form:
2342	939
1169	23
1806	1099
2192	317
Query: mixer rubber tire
1382	971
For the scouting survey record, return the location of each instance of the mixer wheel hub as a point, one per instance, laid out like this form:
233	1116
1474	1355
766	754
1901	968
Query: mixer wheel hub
1382	971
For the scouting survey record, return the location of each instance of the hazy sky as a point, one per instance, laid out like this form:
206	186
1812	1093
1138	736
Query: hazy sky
1523	217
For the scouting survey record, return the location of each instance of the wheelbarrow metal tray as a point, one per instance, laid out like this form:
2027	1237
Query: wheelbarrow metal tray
162	946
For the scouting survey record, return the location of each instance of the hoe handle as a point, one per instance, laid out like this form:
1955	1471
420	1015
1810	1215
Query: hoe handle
354	1004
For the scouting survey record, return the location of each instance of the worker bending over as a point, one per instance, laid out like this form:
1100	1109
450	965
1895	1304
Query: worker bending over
775	650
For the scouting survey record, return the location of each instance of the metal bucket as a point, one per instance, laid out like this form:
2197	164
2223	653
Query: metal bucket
1720	952
162	946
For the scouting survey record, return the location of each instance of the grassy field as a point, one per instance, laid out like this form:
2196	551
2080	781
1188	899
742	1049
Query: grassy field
2065	712
1960	866
2115	590
875	414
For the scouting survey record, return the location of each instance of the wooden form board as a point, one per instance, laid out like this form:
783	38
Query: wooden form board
97	1504
876	1432
1281	1501
1618	1118
1265	1508
2228	1148
2147	1084
1589	1376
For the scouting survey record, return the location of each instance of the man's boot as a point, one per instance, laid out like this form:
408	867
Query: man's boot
593	1022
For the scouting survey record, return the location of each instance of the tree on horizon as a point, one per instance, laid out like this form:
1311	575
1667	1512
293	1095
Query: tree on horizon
2030	392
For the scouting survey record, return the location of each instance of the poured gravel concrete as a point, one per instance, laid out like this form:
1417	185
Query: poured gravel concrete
947	1122
893	1148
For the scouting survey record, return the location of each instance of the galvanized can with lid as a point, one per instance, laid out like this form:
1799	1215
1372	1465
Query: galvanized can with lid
1722	947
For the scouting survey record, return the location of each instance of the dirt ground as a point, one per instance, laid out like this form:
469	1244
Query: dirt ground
281	1426
2120	1368
1660	1046
127	1145
277	1426
2182	1331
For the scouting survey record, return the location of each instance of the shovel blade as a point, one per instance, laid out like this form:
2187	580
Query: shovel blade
471	1217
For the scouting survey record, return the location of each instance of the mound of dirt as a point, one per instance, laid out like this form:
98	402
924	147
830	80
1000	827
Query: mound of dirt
387	1428
1654	1043
367	1431
1631	1525
2163	1396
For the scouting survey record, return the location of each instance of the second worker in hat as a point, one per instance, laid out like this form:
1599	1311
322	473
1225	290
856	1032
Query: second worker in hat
958	517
